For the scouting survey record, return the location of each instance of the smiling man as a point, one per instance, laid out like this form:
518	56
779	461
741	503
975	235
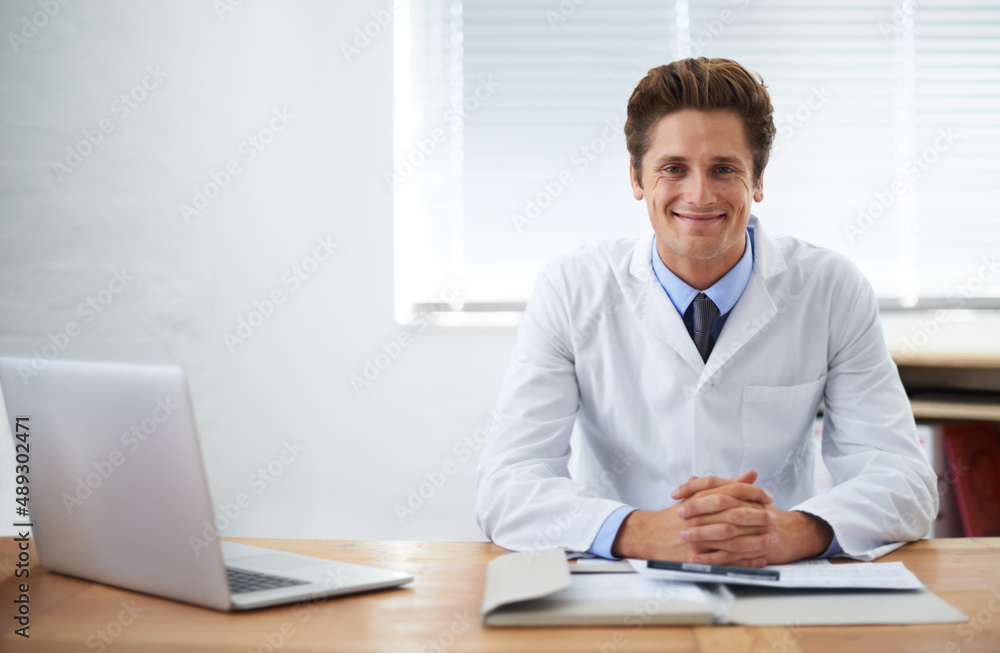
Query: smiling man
660	400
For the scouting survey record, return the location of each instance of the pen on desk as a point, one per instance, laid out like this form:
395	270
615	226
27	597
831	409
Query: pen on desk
722	570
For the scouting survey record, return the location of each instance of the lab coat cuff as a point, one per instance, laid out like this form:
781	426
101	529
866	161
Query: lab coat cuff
609	531
834	549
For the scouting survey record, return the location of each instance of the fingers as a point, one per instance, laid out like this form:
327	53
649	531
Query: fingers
697	484
741	516
724	498
745	546
715	533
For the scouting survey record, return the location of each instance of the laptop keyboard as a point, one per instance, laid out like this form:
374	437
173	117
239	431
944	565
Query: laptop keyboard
241	582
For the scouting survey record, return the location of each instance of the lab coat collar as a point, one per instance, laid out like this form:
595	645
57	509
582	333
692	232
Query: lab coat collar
752	313
768	259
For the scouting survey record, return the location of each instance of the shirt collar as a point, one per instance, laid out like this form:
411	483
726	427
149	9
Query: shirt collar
725	292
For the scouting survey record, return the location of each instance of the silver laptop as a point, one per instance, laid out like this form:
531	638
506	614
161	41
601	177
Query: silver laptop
118	492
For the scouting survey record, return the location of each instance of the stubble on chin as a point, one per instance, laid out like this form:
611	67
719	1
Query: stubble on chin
697	249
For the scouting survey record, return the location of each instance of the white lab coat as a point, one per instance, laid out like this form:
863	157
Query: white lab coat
607	402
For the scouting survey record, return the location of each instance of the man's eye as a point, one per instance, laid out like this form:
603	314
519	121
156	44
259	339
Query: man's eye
672	170
725	169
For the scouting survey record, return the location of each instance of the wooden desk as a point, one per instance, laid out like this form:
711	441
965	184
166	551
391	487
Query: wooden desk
440	612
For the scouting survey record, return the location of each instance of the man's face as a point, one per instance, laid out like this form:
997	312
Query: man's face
697	180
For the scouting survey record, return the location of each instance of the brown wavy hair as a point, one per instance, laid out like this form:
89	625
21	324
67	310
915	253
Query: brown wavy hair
706	85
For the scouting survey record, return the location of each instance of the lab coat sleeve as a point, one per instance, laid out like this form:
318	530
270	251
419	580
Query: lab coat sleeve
526	498
884	491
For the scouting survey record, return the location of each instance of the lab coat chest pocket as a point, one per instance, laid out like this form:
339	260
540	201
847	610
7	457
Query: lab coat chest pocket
777	424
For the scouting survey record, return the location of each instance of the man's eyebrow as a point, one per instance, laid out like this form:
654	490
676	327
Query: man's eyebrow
670	158
677	158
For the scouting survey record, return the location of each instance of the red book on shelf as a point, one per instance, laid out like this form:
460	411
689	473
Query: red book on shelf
974	465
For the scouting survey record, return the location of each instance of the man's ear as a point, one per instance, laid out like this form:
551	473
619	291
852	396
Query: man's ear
758	193
636	186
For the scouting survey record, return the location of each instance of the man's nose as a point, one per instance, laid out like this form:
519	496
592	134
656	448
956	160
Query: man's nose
698	189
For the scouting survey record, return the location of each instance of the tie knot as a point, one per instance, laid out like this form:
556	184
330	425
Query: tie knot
704	309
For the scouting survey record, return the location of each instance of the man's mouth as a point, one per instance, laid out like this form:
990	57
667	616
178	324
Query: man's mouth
699	218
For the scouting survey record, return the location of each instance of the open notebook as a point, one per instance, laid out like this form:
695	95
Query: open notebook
535	588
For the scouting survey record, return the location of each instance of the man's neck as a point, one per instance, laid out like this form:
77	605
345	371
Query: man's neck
700	274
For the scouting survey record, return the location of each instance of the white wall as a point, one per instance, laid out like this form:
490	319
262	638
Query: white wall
322	176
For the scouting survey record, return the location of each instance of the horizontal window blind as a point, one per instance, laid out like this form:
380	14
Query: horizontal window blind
510	151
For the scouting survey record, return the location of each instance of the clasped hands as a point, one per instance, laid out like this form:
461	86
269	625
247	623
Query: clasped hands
720	521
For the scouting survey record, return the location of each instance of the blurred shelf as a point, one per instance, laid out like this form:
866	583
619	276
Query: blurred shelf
951	385
949	360
949	409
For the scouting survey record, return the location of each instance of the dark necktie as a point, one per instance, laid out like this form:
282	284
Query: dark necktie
705	312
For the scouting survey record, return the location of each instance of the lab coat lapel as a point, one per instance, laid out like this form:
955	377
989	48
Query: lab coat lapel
653	308
754	311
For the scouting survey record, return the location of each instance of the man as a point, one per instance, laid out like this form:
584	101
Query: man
660	399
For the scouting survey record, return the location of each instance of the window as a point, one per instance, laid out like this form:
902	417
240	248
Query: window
509	144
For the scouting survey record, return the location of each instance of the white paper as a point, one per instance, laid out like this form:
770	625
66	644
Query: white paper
600	566
806	574
600	587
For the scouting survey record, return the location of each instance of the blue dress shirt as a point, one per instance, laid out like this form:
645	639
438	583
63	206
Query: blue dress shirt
725	293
